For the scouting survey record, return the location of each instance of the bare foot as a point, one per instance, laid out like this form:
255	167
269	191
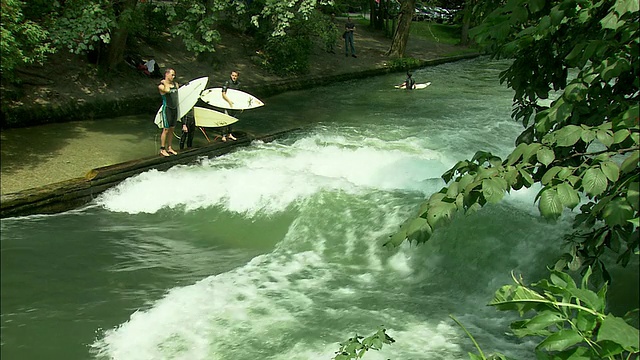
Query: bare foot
171	151
232	137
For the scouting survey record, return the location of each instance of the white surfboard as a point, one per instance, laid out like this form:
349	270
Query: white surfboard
188	95
416	86
241	100
211	118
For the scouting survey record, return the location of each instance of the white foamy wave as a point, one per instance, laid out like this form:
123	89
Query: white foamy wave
200	321
268	178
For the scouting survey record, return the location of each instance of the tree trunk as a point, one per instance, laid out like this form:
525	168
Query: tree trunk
466	22
372	14
115	49
401	34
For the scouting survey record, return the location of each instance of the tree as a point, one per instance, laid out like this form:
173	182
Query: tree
473	12
22	42
401	34
582	149
576	79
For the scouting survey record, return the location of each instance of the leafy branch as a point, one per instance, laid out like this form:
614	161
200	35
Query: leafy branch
357	346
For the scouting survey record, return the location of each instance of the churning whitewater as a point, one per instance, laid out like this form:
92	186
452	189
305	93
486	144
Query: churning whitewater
329	276
275	250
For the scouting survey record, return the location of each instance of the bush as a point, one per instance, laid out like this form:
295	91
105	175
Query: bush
287	55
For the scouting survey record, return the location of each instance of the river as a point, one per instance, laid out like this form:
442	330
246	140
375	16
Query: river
274	251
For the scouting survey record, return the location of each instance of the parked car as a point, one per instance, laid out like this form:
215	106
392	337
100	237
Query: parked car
420	14
433	13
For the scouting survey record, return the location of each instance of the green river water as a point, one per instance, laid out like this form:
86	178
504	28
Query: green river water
274	251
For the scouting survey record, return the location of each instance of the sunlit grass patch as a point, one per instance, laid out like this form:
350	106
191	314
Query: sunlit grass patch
445	34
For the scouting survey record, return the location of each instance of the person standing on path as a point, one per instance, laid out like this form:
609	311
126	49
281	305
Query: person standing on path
332	34
169	91
349	28
232	83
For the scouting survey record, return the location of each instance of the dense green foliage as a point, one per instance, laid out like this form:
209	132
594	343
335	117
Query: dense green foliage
576	82
571	319
22	41
31	30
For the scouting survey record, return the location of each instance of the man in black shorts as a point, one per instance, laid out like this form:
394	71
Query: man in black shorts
232	83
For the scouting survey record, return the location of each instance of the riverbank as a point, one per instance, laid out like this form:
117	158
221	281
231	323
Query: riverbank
41	155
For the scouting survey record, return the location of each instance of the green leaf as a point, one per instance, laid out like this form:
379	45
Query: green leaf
587	134
440	214
630	164
633	193
516	154
629	117
577	353
550	174
577	50
568	135
397	238
529	151
466	180
518	298
526	177
493	189
568	196
550	205
510	175
610	170
453	190
538	325
560	111
611	21
561	340
617	212
473	208
586	322
415	225
545	155
605	137
594	181
419	230
557	15
486	173
588	298
536	5
562	279
620	136
623	7
609	349
617	330
575	92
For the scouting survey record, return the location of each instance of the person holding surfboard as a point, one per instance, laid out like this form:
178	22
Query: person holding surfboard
169	91
232	83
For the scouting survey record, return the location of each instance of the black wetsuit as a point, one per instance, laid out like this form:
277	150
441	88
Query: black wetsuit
170	108
187	136
409	83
